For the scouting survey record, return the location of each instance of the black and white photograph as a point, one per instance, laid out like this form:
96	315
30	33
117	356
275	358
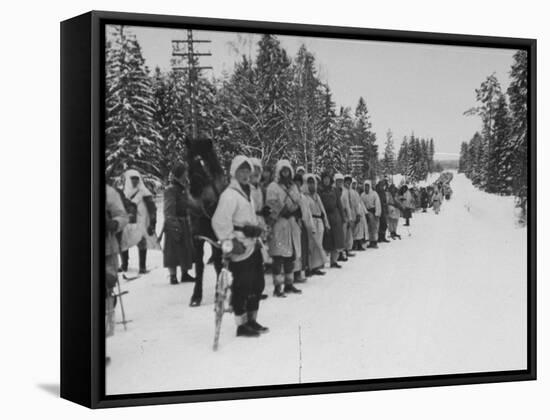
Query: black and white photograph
285	210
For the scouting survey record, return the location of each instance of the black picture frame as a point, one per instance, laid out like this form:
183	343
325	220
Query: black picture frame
82	200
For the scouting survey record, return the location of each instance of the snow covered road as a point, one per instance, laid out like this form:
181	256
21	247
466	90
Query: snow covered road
449	298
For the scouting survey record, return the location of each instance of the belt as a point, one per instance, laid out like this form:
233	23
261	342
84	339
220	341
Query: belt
317	216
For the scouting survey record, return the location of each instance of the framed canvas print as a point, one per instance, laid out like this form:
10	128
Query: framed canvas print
255	209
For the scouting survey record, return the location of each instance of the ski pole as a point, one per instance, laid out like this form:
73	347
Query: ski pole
124	322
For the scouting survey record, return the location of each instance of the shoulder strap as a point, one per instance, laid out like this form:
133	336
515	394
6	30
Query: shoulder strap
289	196
240	193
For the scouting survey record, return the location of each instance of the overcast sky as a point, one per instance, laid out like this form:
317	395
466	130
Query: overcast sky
408	87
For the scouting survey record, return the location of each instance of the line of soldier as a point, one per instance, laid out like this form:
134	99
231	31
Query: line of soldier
290	224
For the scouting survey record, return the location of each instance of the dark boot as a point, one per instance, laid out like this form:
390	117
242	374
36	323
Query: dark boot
278	291
196	298
173	279
254	324
142	261
290	288
124	261
372	244
318	272
257	327
335	265
187	278
195	301
246	330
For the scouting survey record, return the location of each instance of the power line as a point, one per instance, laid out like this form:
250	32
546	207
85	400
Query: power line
184	58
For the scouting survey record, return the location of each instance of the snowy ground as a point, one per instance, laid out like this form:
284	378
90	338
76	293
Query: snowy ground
449	298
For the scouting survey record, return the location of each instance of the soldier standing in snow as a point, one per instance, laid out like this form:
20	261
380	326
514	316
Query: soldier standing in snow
137	231
371	200
344	199
354	212
301	267
262	211
407	204
235	219
382	227
311	200
437	200
424	199
283	199
178	242
333	240
394	212
360	225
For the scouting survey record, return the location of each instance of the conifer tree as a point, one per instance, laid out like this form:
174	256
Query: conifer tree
463	159
487	96
388	160
330	148
345	130
131	134
364	136
273	77
517	144
402	157
305	113
501	157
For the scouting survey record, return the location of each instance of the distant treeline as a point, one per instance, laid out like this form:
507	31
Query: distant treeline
270	106
495	159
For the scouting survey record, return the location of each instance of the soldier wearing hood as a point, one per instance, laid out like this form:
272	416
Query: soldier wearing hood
284	243
372	203
381	187
178	240
437	199
333	239
142	223
315	225
258	193
394	211
235	219
360	228
344	198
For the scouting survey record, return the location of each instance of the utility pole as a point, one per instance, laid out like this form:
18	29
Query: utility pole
184	58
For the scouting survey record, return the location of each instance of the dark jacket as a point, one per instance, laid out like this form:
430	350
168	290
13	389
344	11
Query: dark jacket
178	242
381	190
334	237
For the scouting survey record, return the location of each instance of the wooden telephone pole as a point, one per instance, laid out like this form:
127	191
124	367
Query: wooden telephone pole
184	58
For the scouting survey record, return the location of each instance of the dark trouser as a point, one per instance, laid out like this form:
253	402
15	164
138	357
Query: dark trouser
248	281
125	257
282	268
382	227
199	266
